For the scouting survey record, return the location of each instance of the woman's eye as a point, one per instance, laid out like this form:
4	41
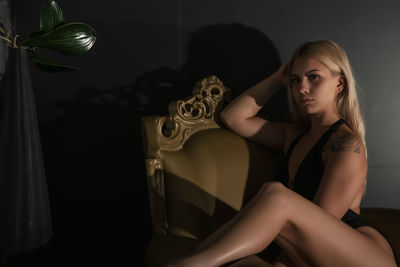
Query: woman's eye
313	77
294	80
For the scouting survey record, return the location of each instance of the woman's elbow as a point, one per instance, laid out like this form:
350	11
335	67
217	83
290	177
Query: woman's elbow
227	119
223	117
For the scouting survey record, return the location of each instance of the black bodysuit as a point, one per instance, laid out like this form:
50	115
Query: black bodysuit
310	172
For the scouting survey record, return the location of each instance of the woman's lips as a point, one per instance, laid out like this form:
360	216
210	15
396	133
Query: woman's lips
306	101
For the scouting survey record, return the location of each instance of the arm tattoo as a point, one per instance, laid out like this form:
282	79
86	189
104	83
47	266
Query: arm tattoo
344	143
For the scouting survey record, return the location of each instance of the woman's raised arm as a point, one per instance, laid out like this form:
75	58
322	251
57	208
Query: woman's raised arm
240	115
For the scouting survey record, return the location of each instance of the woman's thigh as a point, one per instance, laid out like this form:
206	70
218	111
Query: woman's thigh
318	238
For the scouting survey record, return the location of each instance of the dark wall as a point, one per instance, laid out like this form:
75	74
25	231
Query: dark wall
89	119
89	124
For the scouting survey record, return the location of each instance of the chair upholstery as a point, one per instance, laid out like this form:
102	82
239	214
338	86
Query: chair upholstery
200	174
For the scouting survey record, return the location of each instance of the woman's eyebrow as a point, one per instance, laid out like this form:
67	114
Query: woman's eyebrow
292	74
312	71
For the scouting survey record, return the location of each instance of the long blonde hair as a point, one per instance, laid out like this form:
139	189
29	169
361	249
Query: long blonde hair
334	57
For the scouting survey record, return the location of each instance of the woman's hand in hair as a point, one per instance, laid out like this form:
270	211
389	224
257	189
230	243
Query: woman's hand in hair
282	74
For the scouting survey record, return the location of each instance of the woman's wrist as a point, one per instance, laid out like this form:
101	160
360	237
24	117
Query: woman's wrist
282	74
278	80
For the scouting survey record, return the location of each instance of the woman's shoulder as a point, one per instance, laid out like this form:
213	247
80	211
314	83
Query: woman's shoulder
344	139
346	148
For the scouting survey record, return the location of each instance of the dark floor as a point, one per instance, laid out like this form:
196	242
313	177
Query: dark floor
108	251
88	243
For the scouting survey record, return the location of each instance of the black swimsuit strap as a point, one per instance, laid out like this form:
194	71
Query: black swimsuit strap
334	127
293	144
324	139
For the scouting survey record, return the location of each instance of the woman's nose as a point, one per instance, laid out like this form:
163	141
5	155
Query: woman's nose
304	87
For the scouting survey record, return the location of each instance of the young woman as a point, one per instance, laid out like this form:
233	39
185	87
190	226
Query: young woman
312	211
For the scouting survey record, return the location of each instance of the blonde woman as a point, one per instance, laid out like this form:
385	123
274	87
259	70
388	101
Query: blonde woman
312	210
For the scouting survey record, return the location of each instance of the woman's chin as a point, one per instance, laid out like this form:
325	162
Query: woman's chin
308	110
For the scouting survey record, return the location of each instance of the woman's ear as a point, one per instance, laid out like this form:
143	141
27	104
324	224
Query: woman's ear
341	83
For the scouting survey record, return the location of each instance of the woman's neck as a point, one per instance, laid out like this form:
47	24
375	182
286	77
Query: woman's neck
319	122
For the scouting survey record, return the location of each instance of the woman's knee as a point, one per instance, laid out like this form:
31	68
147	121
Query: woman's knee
276	191
273	188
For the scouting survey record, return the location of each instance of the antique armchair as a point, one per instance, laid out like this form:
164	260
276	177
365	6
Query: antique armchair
200	175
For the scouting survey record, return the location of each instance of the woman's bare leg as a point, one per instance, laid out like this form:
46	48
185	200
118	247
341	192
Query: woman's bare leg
315	236
219	232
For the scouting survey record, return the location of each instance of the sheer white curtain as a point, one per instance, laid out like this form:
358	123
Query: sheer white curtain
25	220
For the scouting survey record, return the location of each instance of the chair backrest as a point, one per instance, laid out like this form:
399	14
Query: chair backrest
199	173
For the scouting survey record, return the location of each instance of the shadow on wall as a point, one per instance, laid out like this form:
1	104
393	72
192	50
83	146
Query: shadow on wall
239	55
94	155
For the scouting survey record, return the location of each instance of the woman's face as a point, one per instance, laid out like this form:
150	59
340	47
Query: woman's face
314	86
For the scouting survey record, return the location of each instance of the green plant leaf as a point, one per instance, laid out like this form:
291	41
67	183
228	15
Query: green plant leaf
69	39
51	16
48	65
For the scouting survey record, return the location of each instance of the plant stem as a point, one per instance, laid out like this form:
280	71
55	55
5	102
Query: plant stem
9	39
6	39
15	41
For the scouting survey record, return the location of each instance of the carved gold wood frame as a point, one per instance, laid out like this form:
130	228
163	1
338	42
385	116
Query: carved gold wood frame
169	133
